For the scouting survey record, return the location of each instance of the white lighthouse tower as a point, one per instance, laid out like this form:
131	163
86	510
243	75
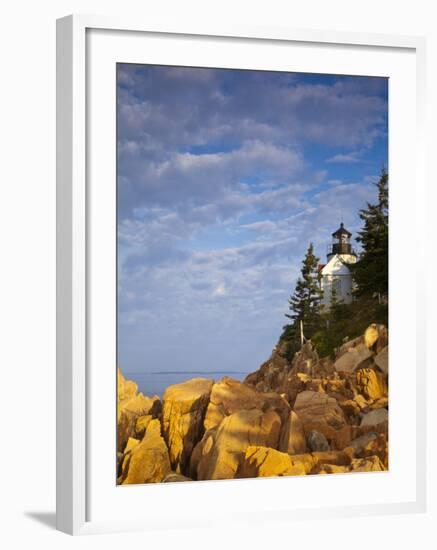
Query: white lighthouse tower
336	273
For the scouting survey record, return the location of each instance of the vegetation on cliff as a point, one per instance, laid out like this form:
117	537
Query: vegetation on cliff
371	271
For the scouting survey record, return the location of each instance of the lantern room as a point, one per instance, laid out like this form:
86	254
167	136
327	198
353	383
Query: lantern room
341	242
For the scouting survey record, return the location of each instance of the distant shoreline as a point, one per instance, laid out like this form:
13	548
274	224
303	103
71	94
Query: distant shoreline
156	382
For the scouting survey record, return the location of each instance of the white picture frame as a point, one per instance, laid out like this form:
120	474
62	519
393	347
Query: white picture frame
74	338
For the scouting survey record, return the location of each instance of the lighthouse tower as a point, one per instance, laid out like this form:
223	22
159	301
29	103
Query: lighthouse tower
336	274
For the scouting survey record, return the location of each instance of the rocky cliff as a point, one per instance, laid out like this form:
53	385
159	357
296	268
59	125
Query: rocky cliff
307	416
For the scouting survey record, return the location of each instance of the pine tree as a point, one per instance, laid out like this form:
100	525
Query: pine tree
305	302
298	302
335	304
371	271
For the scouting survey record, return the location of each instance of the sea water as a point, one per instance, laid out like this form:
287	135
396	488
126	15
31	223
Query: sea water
155	383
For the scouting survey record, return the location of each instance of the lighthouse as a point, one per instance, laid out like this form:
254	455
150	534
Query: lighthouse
336	273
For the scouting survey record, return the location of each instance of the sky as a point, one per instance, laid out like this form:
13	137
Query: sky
223	179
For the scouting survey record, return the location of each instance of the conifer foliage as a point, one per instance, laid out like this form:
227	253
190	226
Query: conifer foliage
305	302
371	271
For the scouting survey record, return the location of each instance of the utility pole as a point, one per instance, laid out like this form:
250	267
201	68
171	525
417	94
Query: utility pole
302	337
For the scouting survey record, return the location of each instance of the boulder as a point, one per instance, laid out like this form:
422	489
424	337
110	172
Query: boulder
200	450
378	447
325	367
316	441
376	337
371	384
332	469
182	418
350	408
306	461
345	465
131	443
380	403
126	389
312	463
271	374
130	406
278	375
353	358
229	396
369	464
375	417
371	335
339	388
339	458
294	384
317	411
314	406
316	384
360	443
349	344
267	462
358	431
222	449
141	424
305	361
361	401
382	341
381	360
371	444
173	477
141	405
292	438
129	400
119	463
148	461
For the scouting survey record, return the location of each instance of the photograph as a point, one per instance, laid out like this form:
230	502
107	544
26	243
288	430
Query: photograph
252	274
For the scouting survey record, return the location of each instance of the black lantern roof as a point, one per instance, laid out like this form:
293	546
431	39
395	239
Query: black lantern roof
341	231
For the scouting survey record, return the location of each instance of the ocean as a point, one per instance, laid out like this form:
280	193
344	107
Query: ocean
155	383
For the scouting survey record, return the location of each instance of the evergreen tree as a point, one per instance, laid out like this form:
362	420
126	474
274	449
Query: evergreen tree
334	322
335	305
371	270
305	302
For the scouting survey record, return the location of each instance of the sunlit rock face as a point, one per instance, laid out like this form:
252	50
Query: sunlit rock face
131	405
267	462
182	418
147	461
222	448
293	440
229	396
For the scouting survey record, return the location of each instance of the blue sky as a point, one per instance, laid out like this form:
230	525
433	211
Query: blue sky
224	177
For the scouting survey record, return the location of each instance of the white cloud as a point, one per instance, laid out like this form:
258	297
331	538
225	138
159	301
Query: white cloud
220	290
261	227
345	157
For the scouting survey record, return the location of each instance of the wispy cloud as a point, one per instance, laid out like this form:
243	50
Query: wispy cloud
345	157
